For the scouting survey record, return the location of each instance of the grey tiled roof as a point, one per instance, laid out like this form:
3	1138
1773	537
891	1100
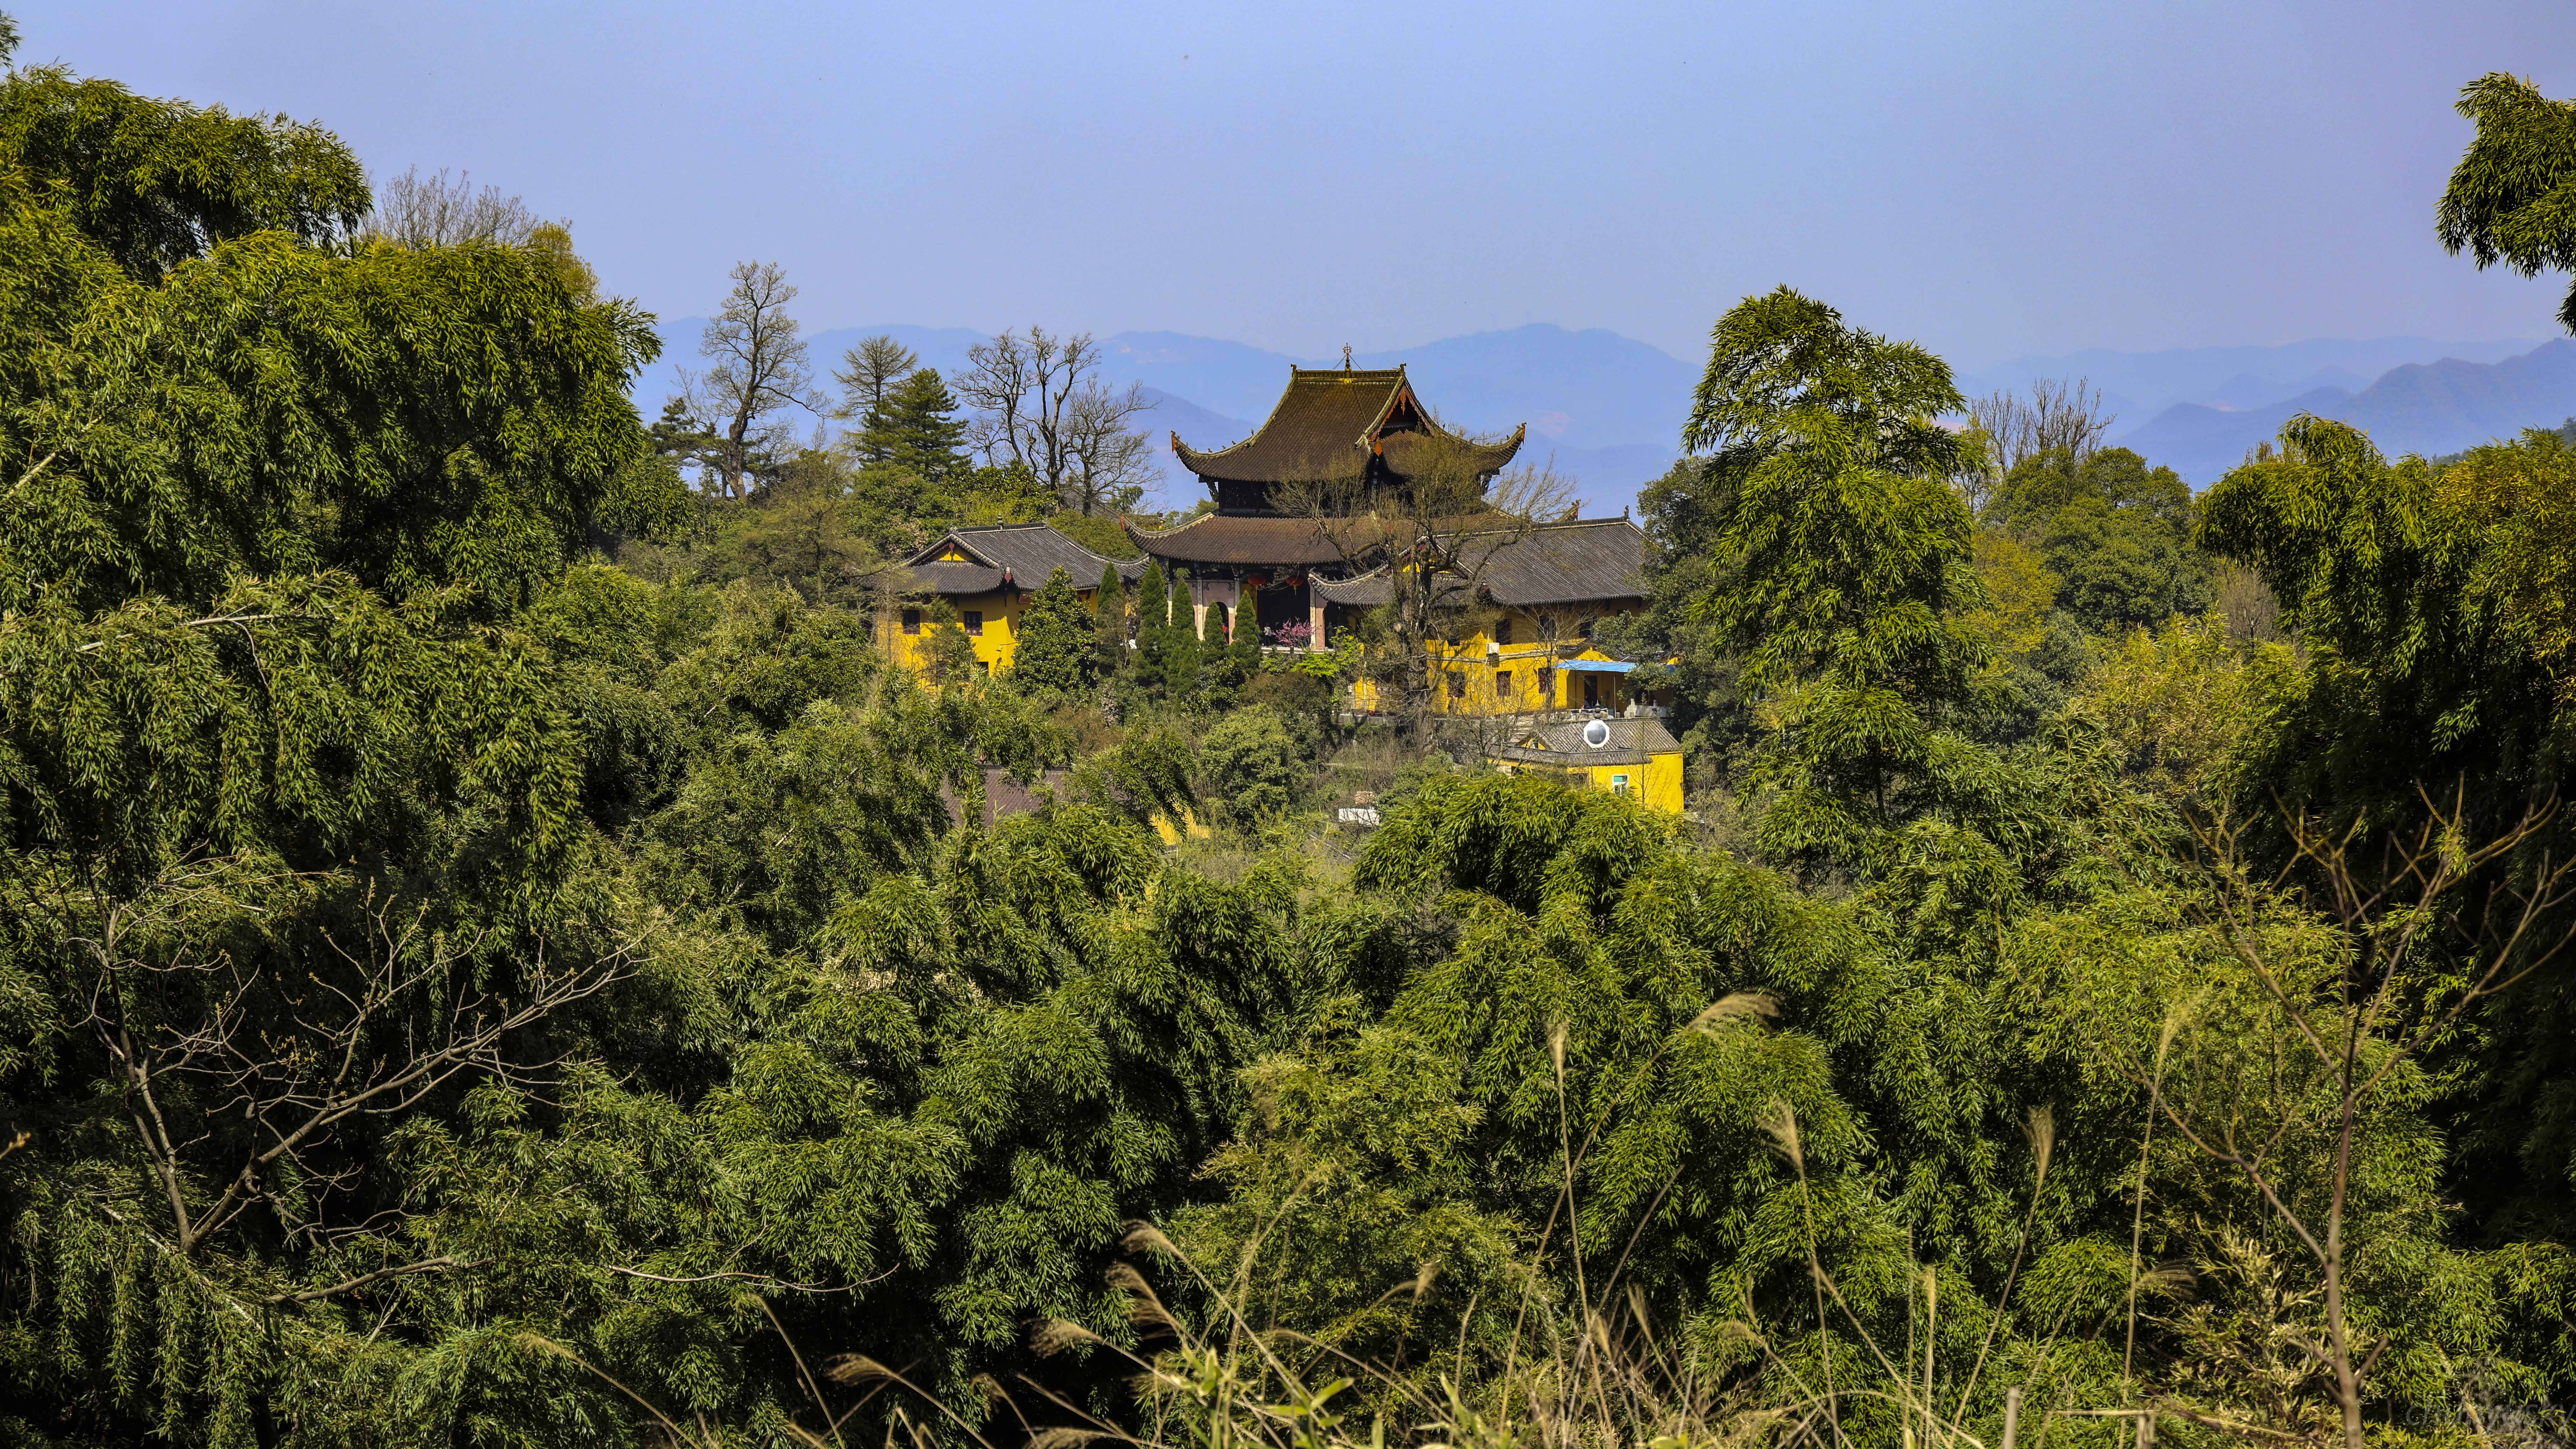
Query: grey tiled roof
1560	742
1021	555
1557	563
1564	563
938	578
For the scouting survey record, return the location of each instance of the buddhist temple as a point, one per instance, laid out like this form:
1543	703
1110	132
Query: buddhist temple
1356	432
1268	555
1304	578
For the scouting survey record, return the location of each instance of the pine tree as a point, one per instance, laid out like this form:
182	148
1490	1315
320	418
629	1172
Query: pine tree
1108	626
1167	653
1049	654
916	428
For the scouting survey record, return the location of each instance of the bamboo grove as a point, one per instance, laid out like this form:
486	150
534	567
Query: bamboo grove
460	988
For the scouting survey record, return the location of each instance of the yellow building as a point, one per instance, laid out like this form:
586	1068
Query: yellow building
985	576
1528	602
1635	757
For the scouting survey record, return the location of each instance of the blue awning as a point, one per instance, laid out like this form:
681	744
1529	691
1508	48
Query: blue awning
1597	666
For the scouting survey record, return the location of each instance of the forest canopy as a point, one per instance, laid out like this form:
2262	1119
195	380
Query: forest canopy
494	952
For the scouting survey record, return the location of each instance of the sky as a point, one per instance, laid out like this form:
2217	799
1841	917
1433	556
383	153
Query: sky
1993	180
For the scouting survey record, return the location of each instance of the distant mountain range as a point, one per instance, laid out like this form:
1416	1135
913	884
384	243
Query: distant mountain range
2429	408
2136	386
1607	411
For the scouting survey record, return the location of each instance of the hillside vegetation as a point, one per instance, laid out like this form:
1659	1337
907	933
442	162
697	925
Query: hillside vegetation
491	953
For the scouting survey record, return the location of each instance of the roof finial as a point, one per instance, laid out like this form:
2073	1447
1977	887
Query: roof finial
1346	357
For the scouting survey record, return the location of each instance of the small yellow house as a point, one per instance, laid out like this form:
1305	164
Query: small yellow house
985	576
1635	757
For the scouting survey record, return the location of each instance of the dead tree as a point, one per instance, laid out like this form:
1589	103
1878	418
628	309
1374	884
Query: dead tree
1040	407
759	372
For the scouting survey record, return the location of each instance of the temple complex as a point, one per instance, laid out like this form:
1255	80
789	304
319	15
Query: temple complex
1294	545
1336	433
1339	435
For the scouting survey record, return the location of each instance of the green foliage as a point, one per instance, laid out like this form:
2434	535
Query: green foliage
806	531
2428	677
1109	653
947	655
2506	201
1167	645
1101	533
441	974
1253	765
915	428
1054	639
154	183
1842	569
2116	534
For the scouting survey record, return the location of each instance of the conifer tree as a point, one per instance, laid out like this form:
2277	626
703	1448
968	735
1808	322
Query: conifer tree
916	428
1167	652
1049	653
1108	626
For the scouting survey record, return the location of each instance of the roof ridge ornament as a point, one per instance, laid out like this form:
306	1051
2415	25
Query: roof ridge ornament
1346	357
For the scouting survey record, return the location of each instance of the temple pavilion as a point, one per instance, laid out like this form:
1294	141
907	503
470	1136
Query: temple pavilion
1260	549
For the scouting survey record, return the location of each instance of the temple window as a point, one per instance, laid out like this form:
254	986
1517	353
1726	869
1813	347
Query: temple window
974	621
912	621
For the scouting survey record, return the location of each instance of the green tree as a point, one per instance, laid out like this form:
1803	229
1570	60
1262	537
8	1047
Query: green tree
2506	201
271	681
2116	533
868	372
1053	639
2427	675
153	183
1253	767
1167	646
1108	627
915	427
948	655
1843	573
806	531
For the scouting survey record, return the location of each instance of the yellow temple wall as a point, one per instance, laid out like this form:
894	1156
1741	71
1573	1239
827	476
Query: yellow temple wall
1489	677
1000	613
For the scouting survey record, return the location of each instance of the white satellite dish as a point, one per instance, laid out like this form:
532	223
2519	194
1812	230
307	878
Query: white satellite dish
1596	733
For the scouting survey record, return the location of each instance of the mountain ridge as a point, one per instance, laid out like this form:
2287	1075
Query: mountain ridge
2428	408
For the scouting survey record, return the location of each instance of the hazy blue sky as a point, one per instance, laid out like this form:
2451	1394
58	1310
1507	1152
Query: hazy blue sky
1992	179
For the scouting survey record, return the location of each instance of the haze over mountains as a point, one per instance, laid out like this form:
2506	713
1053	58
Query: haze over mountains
1607	410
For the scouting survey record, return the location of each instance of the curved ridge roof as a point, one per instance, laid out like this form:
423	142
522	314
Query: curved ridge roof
1328	424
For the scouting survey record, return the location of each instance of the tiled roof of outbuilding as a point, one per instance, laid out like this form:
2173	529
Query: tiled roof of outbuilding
938	578
1560	742
1555	563
1021	555
1565	563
